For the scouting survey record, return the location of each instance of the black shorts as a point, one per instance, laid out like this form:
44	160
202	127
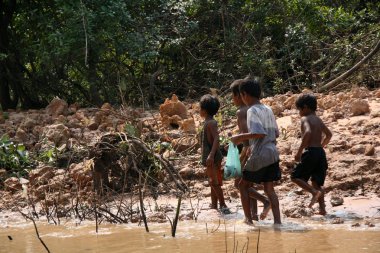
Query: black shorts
240	147
313	164
270	173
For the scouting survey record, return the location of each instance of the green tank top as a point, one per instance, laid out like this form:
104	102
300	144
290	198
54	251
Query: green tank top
206	147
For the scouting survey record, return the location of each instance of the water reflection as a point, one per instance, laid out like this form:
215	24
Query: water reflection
191	237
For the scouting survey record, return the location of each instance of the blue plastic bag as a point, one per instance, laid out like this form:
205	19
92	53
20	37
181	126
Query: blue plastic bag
232	169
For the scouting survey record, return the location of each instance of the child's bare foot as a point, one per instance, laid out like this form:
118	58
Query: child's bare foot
248	222
213	206
322	212
315	198
265	211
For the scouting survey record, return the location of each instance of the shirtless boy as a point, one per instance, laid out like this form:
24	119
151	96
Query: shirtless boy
311	155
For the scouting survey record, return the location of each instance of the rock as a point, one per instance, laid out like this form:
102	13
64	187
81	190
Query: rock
35	174
168	153
73	108
93	125
57	107
357	149
106	107
290	102
297	212
12	184
234	193
336	201
357	224
57	133
369	224
81	172
28	124
171	121
359	92
277	109
73	123
173	107
21	135
337	221
184	143
369	150
61	119
186	172
37	131
359	107
377	94
188	126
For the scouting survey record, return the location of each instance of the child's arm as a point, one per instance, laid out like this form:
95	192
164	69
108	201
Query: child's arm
255	131
212	128
243	128
239	138
305	126
327	133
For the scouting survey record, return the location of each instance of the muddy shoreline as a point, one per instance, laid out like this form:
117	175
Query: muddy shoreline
64	187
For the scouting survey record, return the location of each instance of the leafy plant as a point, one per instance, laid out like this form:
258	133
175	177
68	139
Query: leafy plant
51	155
130	130
14	157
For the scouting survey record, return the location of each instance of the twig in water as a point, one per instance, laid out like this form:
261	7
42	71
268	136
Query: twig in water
225	234
247	244
142	205
35	227
175	222
258	241
216	229
234	240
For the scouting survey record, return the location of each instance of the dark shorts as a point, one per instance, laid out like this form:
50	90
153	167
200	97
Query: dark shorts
313	164
240	147
270	173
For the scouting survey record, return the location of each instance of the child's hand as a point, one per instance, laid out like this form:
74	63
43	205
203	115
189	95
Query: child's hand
235	139
210	161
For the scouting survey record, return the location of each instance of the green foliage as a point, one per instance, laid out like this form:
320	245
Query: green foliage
140	51
14	157
51	155
130	130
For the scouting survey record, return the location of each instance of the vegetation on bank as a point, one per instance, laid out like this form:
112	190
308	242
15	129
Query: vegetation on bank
135	52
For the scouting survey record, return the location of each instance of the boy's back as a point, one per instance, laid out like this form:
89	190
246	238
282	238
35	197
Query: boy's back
316	126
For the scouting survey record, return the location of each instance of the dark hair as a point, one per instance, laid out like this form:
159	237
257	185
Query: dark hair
235	86
251	87
210	104
308	100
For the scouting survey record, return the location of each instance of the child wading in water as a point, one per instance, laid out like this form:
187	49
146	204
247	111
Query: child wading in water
211	154
262	165
313	162
249	204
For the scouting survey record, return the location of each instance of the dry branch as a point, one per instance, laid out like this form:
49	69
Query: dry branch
346	74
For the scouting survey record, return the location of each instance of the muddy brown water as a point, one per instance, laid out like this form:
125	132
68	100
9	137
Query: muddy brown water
191	237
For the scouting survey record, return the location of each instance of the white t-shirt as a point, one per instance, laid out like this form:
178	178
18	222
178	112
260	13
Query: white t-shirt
261	120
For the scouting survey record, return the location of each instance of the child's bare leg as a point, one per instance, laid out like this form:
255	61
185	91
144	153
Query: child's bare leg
256	195
321	200
212	179
253	206
245	199
304	185
214	198
269	191
219	195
